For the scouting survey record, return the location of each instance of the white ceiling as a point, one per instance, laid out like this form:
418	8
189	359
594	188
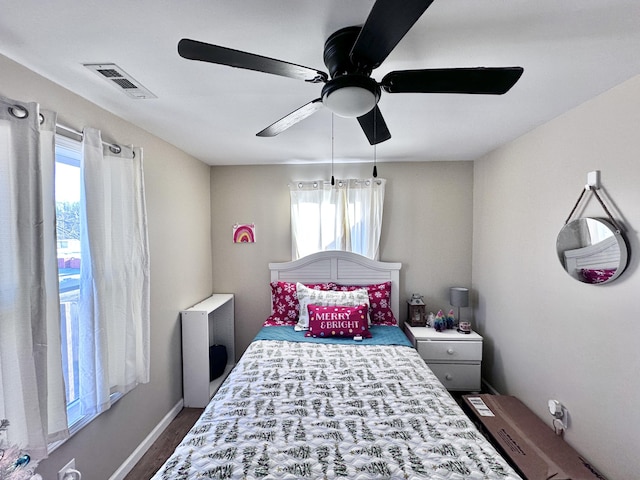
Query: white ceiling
571	51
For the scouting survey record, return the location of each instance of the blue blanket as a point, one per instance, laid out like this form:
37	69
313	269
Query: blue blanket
381	335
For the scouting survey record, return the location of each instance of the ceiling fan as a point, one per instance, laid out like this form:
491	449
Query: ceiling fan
351	54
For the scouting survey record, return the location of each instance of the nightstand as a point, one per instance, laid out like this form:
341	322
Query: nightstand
454	357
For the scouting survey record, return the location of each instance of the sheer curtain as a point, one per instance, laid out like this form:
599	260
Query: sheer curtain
345	216
114	275
32	385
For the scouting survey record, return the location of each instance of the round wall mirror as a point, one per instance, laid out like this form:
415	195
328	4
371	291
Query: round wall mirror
591	250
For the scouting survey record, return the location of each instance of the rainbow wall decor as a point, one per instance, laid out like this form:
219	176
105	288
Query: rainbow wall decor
245	233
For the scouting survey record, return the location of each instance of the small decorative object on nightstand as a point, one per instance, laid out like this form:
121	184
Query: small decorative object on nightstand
464	327
450	320
439	324
453	357
417	316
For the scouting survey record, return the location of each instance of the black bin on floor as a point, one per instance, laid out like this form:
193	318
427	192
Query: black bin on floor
217	360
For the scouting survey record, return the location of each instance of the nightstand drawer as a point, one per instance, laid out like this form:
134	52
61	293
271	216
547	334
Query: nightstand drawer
453	351
457	376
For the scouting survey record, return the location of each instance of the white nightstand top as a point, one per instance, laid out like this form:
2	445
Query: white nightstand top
429	333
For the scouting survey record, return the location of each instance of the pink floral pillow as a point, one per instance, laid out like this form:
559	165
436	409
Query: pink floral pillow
285	307
338	321
597	275
379	302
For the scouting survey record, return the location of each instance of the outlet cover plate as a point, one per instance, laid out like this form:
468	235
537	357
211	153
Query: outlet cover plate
63	470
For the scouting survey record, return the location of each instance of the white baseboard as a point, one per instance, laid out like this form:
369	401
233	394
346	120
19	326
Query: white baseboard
137	454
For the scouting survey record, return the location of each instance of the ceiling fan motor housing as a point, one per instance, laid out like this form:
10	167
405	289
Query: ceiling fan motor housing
337	53
351	92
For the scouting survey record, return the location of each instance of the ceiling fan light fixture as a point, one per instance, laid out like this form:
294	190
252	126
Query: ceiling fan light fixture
350	95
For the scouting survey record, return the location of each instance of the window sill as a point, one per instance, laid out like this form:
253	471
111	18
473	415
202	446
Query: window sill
79	424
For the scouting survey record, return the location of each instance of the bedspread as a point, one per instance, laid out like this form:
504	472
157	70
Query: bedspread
324	411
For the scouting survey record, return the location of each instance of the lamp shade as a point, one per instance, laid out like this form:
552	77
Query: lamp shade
459	296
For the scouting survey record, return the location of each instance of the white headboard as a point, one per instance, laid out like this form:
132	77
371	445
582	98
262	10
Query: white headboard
341	267
604	254
607	253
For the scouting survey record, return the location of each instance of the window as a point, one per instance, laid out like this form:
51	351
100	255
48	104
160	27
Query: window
108	221
345	216
101	301
67	193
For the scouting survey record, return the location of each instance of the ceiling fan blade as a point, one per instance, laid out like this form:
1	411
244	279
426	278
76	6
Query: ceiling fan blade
481	80
291	119
205	52
388	22
374	126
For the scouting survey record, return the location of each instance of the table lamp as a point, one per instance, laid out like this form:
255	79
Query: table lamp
459	297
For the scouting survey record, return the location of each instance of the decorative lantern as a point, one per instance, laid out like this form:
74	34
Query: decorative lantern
417	316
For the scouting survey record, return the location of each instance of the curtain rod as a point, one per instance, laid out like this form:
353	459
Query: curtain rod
328	182
69	129
115	148
19	111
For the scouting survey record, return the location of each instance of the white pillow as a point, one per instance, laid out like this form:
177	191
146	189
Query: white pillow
326	298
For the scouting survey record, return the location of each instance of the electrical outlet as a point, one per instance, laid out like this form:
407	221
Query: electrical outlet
63	470
560	416
556	409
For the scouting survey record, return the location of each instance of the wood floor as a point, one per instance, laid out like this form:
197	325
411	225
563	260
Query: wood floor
163	447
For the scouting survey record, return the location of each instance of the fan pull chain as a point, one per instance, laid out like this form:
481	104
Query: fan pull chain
333	181
375	168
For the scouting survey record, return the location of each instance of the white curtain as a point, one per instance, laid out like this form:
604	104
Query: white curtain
32	385
345	216
114	274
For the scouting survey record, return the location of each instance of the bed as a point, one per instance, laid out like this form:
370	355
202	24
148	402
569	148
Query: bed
300	405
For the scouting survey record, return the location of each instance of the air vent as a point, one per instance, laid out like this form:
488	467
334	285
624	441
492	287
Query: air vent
119	78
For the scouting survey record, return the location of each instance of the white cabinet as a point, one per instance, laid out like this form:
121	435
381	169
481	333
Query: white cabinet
210	322
454	357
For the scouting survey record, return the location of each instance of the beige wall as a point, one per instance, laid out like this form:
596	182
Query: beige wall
427	226
178	205
548	335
